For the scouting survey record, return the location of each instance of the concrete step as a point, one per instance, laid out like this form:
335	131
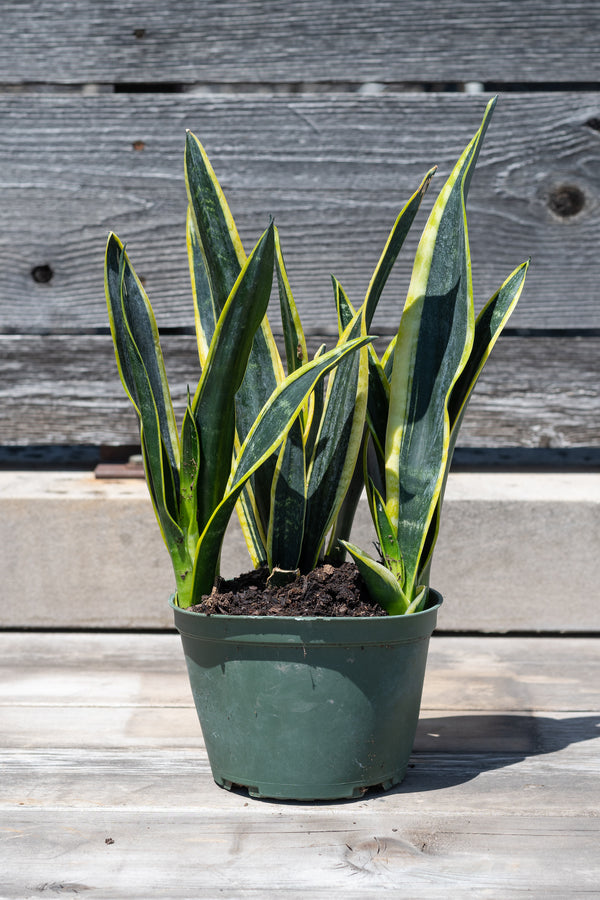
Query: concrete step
517	552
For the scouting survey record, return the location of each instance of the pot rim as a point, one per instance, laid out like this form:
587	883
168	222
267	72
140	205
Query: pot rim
222	617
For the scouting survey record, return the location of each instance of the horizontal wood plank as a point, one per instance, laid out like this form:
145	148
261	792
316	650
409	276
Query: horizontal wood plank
333	171
534	392
315	40
465	673
180	778
104	853
110	691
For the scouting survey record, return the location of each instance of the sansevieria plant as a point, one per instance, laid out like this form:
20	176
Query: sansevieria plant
292	452
248	427
419	393
289	503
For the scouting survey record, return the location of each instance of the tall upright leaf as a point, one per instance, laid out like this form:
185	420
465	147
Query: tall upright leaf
337	444
288	503
433	345
378	386
214	403
215	246
488	327
141	367
293	333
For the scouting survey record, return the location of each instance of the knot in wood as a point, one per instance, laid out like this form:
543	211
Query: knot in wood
566	201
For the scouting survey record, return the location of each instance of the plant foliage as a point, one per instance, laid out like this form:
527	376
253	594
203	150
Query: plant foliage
422	387
293	442
196	476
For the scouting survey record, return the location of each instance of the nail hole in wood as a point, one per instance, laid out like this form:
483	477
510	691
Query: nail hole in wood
42	274
139	33
138	145
566	201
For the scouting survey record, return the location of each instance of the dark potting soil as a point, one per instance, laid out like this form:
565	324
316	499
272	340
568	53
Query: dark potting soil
326	591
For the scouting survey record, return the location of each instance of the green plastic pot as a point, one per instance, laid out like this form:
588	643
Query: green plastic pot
307	708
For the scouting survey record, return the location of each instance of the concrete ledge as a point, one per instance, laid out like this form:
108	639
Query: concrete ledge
517	552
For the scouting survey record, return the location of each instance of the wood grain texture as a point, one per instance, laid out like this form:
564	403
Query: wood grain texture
534	392
501	798
313	40
489	675
498	855
167	772
333	170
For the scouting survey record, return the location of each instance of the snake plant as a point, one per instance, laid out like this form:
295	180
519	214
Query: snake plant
420	390
268	437
309	490
290	503
195	476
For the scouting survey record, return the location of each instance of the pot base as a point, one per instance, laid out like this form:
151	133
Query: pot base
350	791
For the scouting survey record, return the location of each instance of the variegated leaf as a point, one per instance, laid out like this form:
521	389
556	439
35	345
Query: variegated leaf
388	541
434	342
337	444
488	327
141	367
214	402
293	333
382	585
288	503
216	239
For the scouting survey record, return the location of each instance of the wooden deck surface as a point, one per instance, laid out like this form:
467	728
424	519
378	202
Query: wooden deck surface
106	791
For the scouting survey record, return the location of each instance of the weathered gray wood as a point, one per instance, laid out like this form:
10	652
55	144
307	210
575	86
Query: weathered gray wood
464	673
534	392
142	671
181	778
181	853
106	691
501	798
313	40
333	171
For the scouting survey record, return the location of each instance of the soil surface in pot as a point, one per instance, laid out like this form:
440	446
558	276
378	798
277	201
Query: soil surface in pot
326	591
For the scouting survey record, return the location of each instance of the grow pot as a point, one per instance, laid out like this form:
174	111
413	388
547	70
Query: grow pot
309	708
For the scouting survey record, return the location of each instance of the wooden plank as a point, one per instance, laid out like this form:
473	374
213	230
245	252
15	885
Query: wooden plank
180	778
101	726
117	691
108	654
535	392
464	673
172	852
249	41
114	727
332	170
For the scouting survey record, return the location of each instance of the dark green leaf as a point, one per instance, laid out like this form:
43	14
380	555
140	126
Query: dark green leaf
288	503
214	403
337	445
293	334
434	342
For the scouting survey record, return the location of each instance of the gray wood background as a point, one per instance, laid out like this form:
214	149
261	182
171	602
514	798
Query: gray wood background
324	115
